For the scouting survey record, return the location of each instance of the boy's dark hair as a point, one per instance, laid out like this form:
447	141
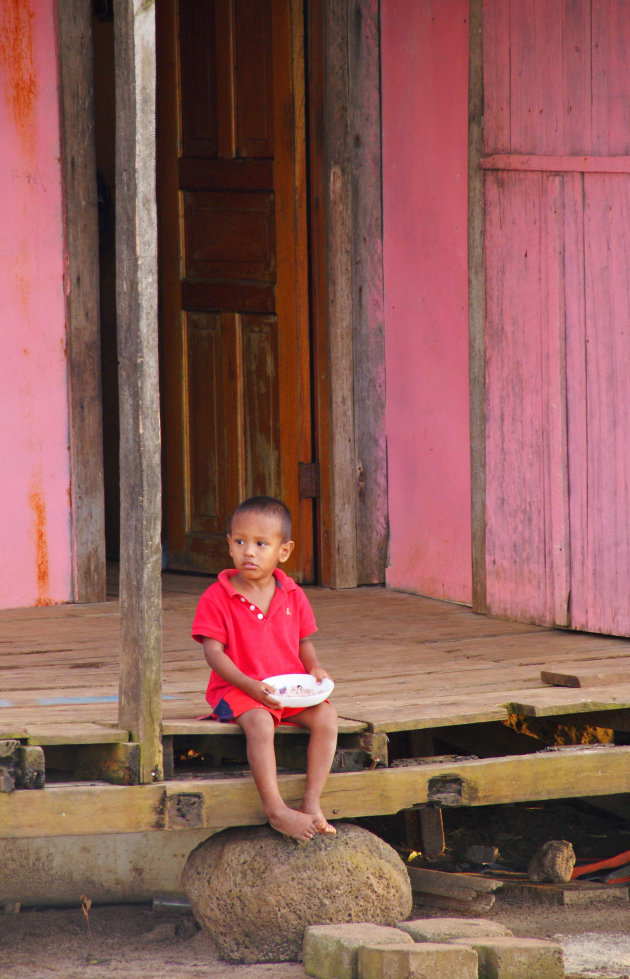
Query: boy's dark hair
270	506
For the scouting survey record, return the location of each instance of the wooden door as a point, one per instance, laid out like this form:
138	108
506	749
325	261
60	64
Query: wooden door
557	255
233	270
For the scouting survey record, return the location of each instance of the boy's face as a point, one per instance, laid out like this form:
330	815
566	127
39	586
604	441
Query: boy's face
256	545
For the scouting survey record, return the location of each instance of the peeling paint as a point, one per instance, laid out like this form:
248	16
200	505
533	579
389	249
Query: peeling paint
37	504
18	66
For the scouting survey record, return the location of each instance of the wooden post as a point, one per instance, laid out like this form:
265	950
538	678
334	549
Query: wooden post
136	301
347	295
367	291
476	306
82	299
343	570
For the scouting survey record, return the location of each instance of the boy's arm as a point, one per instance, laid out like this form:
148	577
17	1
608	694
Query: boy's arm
218	660
309	659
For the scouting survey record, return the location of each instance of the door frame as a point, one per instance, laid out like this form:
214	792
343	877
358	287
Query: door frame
348	348
346	288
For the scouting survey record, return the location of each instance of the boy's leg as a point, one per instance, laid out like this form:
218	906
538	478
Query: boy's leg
321	721
259	729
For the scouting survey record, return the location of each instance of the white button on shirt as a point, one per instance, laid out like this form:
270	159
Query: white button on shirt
260	615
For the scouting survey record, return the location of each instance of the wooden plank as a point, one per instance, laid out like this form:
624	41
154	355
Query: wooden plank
185	727
140	461
364	125
341	522
78	733
557	676
556	164
215	803
537	106
428	716
607	545
526	552
476	308
82	300
447	884
496	77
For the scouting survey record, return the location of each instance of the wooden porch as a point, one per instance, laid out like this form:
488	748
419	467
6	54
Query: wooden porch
437	705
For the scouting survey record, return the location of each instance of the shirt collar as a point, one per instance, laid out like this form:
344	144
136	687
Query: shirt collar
283	581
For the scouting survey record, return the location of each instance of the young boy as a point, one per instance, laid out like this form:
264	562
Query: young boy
255	622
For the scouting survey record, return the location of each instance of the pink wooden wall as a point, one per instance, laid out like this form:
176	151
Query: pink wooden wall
425	146
557	240
35	564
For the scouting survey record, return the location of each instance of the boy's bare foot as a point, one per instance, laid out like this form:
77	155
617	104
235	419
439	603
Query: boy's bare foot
291	822
323	826
321	823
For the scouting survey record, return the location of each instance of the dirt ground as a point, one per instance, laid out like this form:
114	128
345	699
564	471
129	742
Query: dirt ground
136	941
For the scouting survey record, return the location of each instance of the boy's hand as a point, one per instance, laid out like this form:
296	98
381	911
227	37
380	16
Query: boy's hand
263	692
320	673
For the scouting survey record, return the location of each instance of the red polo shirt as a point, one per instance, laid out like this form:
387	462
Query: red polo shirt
259	645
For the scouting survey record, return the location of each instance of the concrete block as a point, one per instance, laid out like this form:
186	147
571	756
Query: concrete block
427	960
516	958
332	951
446	929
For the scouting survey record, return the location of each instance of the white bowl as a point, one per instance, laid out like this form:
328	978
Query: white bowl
299	689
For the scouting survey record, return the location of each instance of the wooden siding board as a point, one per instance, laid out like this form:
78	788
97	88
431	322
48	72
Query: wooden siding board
576	79
536	76
524	499
576	390
619	58
607	250
610	56
553	388
496	77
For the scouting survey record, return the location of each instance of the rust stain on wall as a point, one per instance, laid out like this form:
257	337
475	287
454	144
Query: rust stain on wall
18	67
37	504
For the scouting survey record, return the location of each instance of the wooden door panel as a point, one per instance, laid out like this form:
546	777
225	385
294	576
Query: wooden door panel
235	282
260	398
229	235
198	103
206	462
253	89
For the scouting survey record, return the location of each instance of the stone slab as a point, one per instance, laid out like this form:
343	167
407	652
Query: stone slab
517	958
332	951
447	929
430	959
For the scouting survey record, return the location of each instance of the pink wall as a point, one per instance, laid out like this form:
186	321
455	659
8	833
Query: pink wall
425	146
35	565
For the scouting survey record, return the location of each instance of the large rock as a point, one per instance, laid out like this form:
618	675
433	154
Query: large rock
255	891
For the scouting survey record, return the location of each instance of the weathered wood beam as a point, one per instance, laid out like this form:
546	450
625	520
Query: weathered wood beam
476	307
214	804
368	318
82	299
342	572
136	301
